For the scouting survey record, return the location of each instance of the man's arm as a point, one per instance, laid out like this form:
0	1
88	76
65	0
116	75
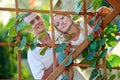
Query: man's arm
47	72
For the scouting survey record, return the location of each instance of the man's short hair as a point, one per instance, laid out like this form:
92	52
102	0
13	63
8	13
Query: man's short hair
27	14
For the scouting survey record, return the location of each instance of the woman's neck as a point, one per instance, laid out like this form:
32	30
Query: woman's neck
75	30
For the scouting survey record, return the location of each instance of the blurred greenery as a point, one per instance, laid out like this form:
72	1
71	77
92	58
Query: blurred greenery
8	54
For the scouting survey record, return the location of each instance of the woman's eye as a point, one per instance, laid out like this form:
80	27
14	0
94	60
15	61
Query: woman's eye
37	17
62	18
32	22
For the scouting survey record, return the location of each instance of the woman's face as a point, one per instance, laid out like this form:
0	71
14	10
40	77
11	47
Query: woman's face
36	22
62	22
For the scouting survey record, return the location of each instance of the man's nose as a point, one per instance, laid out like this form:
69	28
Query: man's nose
61	21
36	21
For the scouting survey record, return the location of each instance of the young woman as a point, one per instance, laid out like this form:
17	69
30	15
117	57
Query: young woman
65	25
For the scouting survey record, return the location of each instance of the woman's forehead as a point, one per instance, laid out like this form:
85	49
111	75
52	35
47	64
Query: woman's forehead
58	15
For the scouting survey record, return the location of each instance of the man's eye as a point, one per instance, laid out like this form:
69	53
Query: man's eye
37	17
57	24
32	22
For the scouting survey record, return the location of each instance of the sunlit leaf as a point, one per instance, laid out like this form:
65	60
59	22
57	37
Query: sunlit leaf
61	57
42	35
42	52
60	48
20	25
90	37
12	33
78	7
23	43
26	27
112	77
69	61
108	64
103	54
111	40
76	17
20	16
111	28
69	37
96	4
114	60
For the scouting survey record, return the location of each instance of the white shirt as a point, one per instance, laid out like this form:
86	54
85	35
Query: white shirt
83	75
82	34
38	63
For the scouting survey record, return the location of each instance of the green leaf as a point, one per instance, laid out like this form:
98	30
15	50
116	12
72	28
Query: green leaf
65	77
60	48
20	25
112	77
90	55
101	42
103	53
69	36
92	21
85	53
119	75
114	60
20	16
42	52
90	37
111	28
12	33
111	40
76	17
93	74
96	4
108	64
69	61
42	35
93	64
96	28
23	43
26	27
61	57
93	46
34	44
78	7
85	61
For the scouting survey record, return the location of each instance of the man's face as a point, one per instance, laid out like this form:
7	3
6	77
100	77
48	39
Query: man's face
36	22
62	22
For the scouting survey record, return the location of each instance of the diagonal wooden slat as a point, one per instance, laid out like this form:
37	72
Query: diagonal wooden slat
74	54
116	11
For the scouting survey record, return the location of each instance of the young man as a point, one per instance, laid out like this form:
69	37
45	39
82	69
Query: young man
41	66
